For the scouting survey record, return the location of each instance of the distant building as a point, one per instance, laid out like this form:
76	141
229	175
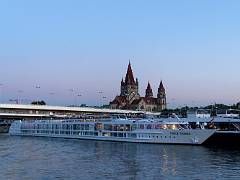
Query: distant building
130	98
238	105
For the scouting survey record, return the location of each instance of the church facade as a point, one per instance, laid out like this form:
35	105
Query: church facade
130	98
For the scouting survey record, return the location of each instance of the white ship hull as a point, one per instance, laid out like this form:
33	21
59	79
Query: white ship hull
159	136
196	138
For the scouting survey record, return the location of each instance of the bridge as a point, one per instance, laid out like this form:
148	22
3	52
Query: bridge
20	111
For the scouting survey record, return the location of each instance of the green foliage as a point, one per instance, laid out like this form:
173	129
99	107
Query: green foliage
221	106
38	103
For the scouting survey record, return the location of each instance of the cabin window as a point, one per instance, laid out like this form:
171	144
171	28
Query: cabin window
157	126
149	126
99	126
133	135
86	127
78	127
74	127
120	134
82	126
107	127
134	127
121	127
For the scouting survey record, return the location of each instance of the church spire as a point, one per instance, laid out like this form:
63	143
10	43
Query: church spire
122	82
161	87
161	91
129	79
149	92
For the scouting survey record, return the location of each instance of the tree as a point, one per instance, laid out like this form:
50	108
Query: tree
38	103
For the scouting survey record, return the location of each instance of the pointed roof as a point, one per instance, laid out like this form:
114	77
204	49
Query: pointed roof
149	92
129	79
119	100
161	87
149	86
122	82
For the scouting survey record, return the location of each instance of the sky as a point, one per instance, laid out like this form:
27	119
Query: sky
74	49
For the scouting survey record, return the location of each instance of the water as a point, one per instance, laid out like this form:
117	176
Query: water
49	158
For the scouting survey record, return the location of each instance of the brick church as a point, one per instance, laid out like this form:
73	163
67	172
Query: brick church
130	98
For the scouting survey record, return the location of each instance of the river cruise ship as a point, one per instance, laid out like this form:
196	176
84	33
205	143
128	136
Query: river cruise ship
227	125
114	129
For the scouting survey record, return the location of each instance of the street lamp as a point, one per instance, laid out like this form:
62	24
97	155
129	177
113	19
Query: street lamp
173	102
78	96
38	87
72	96
100	97
104	97
20	97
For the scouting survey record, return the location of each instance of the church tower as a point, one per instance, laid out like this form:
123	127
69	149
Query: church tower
130	99
161	97
129	87
149	92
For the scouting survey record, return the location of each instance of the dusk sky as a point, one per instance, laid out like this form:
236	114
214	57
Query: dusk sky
85	45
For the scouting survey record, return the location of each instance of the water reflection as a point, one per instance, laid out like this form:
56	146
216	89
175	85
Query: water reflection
46	158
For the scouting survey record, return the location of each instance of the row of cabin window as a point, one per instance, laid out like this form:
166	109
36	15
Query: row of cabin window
144	136
55	126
